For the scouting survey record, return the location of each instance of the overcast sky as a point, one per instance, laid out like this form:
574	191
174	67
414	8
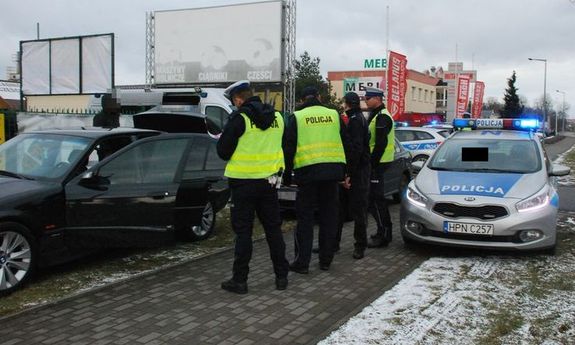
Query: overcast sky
494	37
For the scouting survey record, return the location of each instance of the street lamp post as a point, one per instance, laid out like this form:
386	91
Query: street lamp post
564	115
544	92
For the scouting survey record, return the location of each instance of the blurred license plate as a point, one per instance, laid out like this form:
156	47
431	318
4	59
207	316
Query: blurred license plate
468	228
286	195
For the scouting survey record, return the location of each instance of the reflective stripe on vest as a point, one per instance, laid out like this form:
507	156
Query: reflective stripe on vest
389	152
318	137
259	152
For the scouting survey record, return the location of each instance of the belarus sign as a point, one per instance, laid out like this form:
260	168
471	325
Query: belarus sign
375	63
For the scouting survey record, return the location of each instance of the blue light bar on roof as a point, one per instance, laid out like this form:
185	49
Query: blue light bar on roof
511	124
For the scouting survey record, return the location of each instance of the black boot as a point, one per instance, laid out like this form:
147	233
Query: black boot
233	286
281	283
358	253
298	269
376	242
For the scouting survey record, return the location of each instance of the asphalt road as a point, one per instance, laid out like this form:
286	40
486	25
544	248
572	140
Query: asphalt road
566	193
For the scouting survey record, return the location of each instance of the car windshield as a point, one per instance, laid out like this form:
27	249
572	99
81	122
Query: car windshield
498	156
41	156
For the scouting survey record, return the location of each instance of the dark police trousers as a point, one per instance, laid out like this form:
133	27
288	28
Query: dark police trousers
258	198
378	204
323	195
359	200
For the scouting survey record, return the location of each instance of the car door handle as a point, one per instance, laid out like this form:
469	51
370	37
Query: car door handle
158	195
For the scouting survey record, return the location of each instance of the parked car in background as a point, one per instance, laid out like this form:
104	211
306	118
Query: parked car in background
441	125
420	141
397	177
65	193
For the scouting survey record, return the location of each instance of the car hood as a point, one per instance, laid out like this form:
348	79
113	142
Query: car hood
15	192
497	185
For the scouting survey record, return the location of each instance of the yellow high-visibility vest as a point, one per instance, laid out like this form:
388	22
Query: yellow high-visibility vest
318	137
259	152
389	152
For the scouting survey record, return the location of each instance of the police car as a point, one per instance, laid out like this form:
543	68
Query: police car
491	187
421	142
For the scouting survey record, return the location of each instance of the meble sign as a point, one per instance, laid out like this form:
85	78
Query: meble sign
375	63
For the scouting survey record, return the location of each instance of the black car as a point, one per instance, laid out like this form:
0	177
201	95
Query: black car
397	177
66	192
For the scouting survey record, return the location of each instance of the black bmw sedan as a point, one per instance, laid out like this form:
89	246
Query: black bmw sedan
64	193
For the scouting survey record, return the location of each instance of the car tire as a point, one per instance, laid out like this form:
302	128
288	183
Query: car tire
405	179
422	158
18	256
204	229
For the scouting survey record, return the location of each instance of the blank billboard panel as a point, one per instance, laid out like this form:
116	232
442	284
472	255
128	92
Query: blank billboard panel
219	44
75	65
36	67
97	64
65	66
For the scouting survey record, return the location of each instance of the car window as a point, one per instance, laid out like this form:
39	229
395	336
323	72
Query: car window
444	134
516	156
150	162
217	115
213	161
405	135
421	135
106	147
196	156
42	155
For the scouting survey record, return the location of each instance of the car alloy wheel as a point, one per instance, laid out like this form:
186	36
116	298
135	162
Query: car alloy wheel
204	229
16	257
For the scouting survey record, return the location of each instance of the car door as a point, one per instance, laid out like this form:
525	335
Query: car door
394	170
129	199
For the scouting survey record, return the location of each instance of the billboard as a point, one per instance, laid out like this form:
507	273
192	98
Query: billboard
68	65
219	44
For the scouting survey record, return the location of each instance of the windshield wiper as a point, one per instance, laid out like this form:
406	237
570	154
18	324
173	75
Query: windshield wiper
15	175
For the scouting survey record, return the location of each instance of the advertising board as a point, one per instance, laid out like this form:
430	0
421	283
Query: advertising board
219	44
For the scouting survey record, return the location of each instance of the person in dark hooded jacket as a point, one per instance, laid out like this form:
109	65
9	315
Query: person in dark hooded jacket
251	142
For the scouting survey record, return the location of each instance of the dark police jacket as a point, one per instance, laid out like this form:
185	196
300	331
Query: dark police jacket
263	116
383	125
315	172
358	133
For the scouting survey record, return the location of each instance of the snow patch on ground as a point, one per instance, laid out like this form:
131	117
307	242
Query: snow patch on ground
568	180
453	301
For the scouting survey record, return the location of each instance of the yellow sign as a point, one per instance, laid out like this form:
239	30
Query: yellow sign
2	129
2	139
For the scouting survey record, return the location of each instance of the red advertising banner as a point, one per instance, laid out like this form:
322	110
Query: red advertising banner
477	99
462	95
396	84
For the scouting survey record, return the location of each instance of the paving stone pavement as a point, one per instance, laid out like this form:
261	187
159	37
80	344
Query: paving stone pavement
185	305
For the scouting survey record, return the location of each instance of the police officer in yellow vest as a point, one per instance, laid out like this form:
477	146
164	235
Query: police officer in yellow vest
314	148
251	142
382	146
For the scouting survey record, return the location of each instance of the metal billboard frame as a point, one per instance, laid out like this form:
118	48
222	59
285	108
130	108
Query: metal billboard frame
80	63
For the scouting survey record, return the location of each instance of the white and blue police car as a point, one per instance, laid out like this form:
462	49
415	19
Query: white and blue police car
491	187
419	141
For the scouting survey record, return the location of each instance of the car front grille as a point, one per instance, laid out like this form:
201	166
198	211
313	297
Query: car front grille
489	212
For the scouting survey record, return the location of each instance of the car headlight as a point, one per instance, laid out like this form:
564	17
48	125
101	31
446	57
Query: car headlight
535	202
415	197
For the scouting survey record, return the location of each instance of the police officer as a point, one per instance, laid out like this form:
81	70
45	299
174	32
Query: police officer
251	142
358	170
382	146
314	148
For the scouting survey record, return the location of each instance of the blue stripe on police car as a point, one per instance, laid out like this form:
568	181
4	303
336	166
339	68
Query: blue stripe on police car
484	184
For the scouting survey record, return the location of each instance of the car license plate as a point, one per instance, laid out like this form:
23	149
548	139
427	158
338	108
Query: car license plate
468	228
286	195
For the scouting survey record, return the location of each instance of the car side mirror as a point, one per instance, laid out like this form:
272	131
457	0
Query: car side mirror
92	180
559	170
417	166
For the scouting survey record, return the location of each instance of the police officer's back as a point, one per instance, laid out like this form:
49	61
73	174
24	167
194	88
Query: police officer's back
314	148
251	142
